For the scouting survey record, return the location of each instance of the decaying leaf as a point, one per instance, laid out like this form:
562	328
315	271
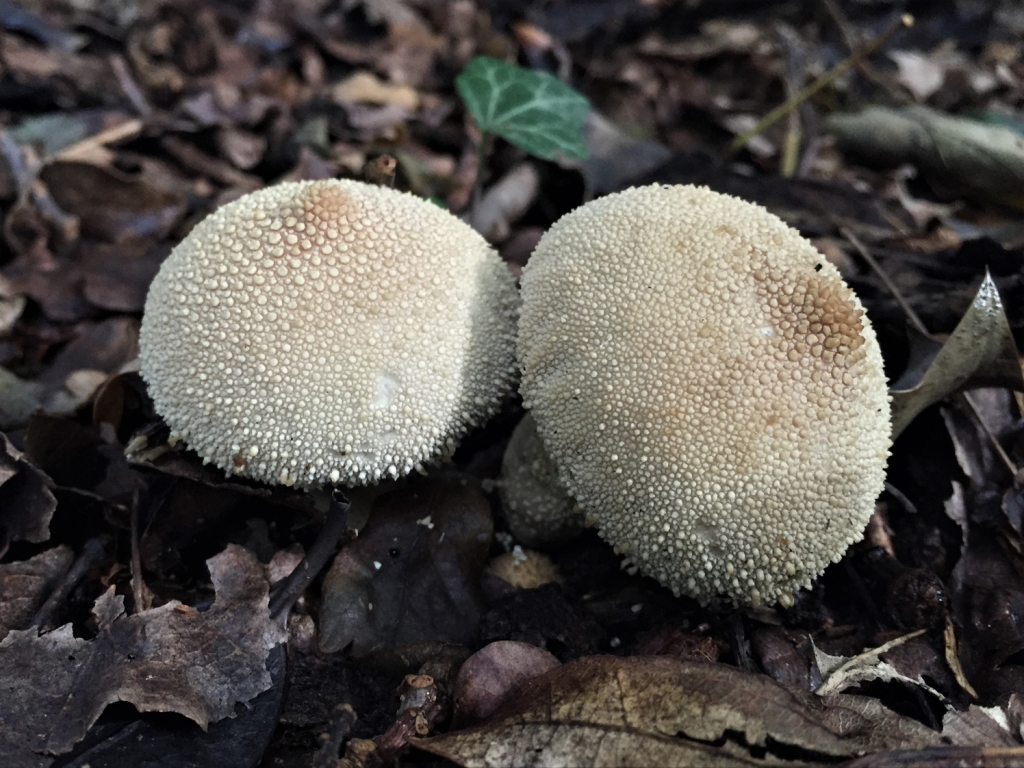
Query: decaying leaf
26	501
412	575
236	742
980	352
18	400
839	672
492	675
25	585
987	601
957	155
170	659
641	711
110	204
978	727
615	158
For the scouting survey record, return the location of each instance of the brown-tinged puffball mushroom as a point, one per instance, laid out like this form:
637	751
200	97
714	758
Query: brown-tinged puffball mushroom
709	388
536	506
524	568
328	331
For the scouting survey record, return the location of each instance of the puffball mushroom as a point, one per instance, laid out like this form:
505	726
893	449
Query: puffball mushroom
328	331
536	506
709	388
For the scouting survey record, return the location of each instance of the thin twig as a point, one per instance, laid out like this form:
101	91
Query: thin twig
991	435
92	553
901	497
128	85
138	585
863	66
863	251
823	81
129	129
794	72
483	149
828	684
290	588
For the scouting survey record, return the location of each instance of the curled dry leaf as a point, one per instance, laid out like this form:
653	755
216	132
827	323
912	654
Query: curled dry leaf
26	501
506	201
90	275
978	727
25	585
980	352
412	575
957	155
169	659
606	711
112	205
987	601
839	672
237	742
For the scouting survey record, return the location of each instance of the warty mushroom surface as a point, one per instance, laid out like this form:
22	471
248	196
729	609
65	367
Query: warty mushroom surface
328	332
709	388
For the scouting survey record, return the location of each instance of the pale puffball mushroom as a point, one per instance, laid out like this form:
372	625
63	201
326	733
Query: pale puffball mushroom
328	332
536	506
709	388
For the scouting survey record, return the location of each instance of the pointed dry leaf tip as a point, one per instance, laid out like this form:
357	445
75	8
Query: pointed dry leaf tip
981	352
708	386
328	331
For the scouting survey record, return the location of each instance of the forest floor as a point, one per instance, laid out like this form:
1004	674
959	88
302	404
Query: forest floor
142	585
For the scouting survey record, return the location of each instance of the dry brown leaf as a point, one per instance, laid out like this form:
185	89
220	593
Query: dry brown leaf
643	711
980	352
505	202
840	672
494	674
26	502
367	88
25	585
957	156
412	576
169	659
979	727
111	204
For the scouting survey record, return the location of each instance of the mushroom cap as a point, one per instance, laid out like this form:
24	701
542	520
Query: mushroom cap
536	506
328	331
709	388
524	568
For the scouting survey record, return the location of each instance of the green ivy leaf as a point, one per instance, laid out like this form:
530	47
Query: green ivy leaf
533	110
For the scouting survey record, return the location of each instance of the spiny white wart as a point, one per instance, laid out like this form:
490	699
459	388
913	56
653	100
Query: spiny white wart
709	388
328	332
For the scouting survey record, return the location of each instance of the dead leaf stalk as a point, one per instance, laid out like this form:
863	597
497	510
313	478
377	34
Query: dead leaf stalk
128	85
833	683
93	552
483	151
289	589
863	66
86	148
889	284
953	658
138	584
864	51
1003	455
